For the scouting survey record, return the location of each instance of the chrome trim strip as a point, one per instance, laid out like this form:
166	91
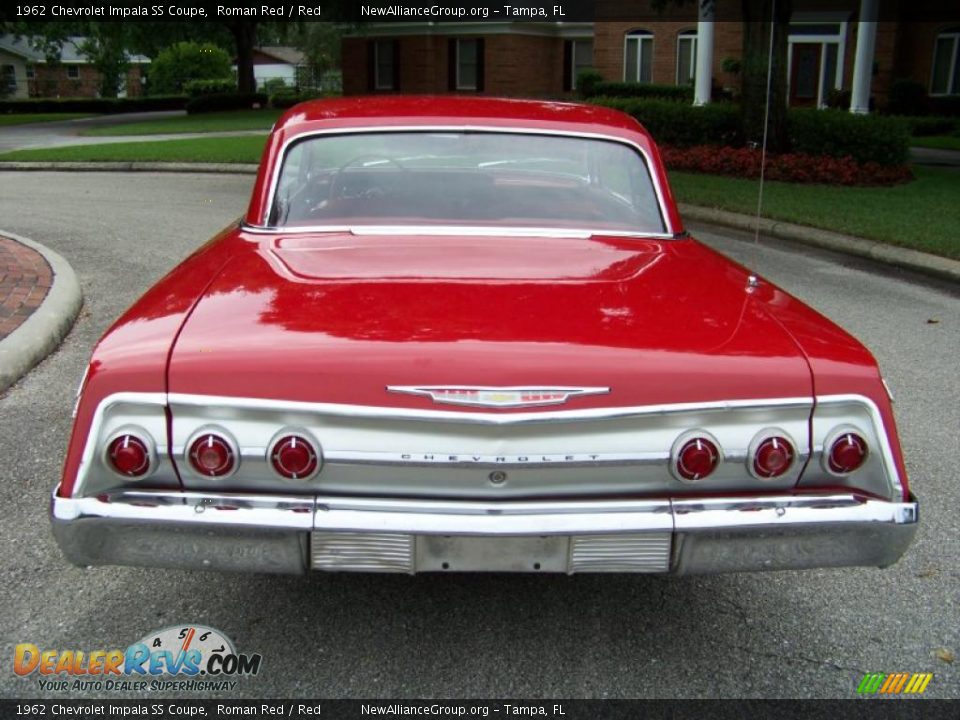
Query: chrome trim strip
437	393
461	230
533	460
281	157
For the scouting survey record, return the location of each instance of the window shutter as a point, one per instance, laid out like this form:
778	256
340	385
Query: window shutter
396	65
480	65
371	65
452	65
567	66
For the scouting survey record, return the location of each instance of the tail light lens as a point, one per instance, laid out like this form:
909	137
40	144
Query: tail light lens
695	457
773	457
212	455
846	453
130	455
294	457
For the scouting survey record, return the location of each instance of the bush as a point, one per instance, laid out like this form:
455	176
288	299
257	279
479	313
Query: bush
196	88
865	138
794	167
275	85
931	125
945	105
94	105
185	61
225	101
683	125
587	82
678	93
290	97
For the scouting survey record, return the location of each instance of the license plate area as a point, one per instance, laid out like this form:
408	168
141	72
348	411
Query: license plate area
466	553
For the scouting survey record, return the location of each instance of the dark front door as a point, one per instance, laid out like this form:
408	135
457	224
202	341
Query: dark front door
805	75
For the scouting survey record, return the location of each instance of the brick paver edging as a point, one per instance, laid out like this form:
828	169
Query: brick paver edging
39	300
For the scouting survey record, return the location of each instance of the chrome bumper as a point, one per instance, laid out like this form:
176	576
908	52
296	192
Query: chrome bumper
291	535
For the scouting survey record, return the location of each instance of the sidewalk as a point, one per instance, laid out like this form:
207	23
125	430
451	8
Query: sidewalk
39	300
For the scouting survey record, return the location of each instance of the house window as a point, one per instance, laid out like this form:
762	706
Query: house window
638	57
8	78
385	62
31	72
468	62
945	79
686	57
577	57
73	72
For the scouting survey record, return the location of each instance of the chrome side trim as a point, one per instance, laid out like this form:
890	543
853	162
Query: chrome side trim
282	155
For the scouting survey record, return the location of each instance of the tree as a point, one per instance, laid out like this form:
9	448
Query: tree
185	61
105	45
757	27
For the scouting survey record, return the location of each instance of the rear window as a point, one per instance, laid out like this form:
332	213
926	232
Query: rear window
465	178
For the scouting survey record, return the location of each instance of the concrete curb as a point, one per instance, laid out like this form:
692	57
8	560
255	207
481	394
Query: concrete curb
178	167
913	260
42	332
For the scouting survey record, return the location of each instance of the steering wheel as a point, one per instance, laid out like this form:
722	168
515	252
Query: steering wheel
338	187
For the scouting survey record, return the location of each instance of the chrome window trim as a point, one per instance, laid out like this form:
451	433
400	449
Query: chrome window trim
468	230
484	418
507	130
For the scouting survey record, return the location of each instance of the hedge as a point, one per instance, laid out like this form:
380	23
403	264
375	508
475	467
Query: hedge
681	124
835	133
291	97
832	133
225	101
94	106
677	93
196	88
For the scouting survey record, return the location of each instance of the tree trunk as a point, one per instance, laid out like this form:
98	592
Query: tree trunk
756	49
245	36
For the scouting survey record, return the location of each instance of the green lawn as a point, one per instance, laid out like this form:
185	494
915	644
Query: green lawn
204	122
938	142
239	149
924	214
8	119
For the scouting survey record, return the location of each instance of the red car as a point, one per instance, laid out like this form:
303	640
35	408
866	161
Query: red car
473	335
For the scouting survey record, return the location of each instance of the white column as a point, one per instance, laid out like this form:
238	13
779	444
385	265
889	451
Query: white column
863	60
704	74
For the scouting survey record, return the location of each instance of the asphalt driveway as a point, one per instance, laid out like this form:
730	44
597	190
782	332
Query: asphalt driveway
786	634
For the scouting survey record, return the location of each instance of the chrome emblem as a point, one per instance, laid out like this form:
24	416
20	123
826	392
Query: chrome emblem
498	397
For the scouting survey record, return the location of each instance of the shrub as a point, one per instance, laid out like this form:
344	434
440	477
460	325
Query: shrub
945	105
865	138
185	61
907	97
677	93
291	97
931	125
275	85
225	101
794	167
681	124
587	82
196	88
94	105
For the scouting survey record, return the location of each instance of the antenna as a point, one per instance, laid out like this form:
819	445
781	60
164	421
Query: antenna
766	121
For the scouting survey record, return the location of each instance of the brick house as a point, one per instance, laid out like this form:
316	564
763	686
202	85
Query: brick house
827	52
27	73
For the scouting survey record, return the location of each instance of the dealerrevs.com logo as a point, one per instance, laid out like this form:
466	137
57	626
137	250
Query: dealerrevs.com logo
180	657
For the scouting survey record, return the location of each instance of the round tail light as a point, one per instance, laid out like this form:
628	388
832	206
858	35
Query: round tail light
130	455
847	453
696	458
212	455
294	457
773	457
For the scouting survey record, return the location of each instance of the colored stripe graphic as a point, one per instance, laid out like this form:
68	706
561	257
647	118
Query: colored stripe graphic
894	683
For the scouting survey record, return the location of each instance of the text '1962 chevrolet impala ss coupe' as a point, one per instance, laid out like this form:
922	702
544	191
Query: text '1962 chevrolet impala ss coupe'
460	334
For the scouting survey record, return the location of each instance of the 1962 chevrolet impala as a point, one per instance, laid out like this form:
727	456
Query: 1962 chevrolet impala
472	335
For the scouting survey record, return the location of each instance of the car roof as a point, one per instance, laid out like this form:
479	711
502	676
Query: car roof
442	109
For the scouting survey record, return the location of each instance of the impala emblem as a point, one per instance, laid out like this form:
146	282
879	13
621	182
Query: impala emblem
497	397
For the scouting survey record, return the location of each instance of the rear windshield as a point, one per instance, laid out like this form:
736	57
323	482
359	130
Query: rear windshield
465	178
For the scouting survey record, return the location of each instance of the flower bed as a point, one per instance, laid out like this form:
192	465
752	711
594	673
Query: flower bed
793	167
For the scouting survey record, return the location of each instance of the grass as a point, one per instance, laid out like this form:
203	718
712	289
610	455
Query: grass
923	215
9	119
937	142
204	122
240	149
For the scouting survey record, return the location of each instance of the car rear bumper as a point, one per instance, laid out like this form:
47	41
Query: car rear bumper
293	535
